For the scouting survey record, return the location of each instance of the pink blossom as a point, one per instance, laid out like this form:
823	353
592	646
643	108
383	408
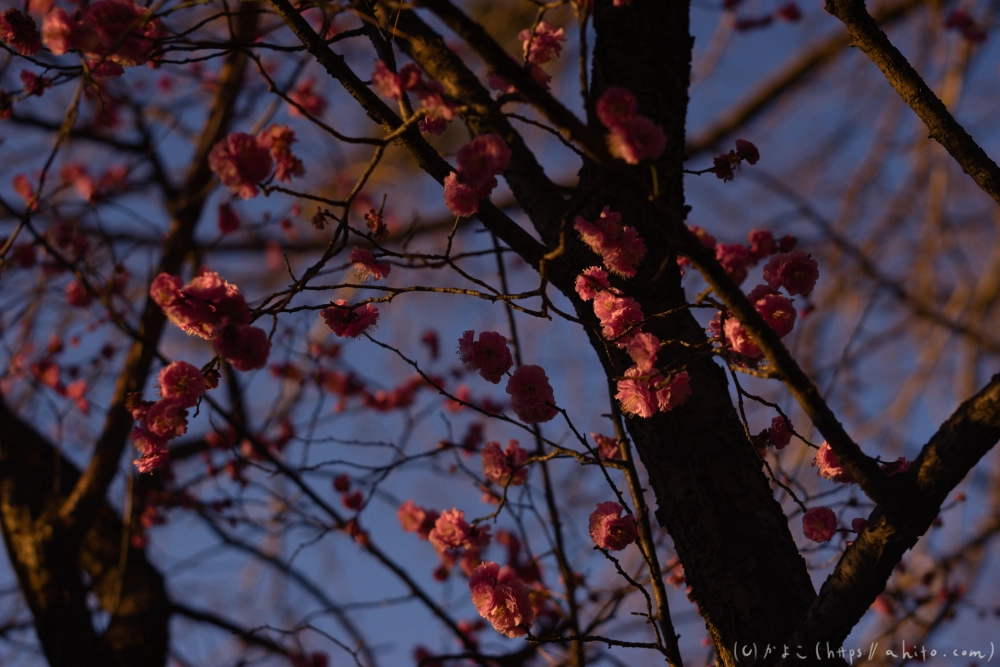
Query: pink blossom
638	139
673	392
620	247
616	107
306	98
155	460
747	151
591	281
762	243
492	356
481	159
57	31
959	19
796	271
609	529
466	348
734	258
501	598
227	221
386	83
830	467
498	465
146	442
635	394
19	31
459	198
167	417
643	349
77	295
202	306
759	292
740	340
451	531
819	524
858	524
366	267
780	433
183	381
376	225
279	139
542	45
607	447
119	31
245	347
240	161
531	395
618	315
350	322
777	311
415	519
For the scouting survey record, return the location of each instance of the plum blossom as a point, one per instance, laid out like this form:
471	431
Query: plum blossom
591	281
796	271
57	31
674	391
727	164
501	598
740	340
619	246
543	44
245	347
366	267
830	466
616	107
183	381
607	447
306	98
635	394
451	531
780	433
617	315
734	258
489	355
498	464
643	349
241	162
227	220
391	85
202	306
819	524
116	31
778	312
278	139
77	295
415	519
637	140
19	31
633	137
350	322
460	198
167	417
762	244
479	163
531	395
609	529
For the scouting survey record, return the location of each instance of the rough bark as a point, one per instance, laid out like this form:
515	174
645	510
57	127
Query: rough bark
732	537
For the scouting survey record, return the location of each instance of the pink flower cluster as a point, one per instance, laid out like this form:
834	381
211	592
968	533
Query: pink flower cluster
307	99
499	465
501	598
632	137
620	247
780	433
438	111
727	164
643	393
531	395
777	311
607	448
366	267
211	308
489	355
819	524
609	529
242	161
620	316
181	385
795	271
345	321
960	20
117	31
479	163
19	31
541	44
415	519
830	466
